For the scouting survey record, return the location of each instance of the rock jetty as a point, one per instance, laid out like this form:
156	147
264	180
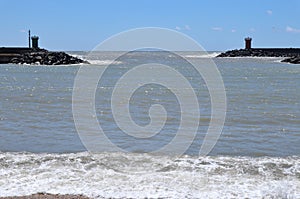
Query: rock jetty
253	53
44	57
293	54
292	60
33	54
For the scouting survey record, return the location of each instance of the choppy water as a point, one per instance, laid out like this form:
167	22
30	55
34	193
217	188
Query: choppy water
257	155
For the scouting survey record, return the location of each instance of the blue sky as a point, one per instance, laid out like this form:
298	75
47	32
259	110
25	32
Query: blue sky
214	24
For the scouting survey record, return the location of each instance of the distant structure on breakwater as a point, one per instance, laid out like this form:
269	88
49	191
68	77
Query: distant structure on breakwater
8	53
248	42
292	53
34	39
33	54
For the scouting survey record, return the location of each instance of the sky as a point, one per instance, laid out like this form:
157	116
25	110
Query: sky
215	24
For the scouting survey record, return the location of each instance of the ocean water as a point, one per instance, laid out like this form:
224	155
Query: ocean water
256	156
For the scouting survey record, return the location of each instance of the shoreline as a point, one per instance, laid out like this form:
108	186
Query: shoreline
47	196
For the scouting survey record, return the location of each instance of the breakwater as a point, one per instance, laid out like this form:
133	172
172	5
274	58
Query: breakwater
36	56
292	54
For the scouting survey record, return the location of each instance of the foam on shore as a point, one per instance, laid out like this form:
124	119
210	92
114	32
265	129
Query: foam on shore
121	175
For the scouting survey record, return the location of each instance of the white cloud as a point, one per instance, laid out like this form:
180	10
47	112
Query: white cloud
269	12
187	27
290	29
233	30
22	30
217	28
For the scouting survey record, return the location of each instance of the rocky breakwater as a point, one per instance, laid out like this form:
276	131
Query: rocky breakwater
292	54
292	60
44	57
249	53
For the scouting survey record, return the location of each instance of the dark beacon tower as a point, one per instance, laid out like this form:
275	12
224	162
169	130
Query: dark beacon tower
35	42
248	43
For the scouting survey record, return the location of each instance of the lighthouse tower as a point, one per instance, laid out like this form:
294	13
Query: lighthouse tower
248	43
35	42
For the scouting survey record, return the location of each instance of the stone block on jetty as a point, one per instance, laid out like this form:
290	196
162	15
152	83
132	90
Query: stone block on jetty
292	60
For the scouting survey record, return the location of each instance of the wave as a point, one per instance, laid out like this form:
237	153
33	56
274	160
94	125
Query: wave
250	57
104	62
121	175
208	55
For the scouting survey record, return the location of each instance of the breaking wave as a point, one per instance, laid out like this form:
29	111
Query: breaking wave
121	175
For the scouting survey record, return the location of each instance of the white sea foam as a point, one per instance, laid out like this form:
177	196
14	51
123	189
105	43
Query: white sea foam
76	55
208	55
253	58
139	175
104	62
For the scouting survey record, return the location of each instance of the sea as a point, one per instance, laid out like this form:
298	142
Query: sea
257	154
